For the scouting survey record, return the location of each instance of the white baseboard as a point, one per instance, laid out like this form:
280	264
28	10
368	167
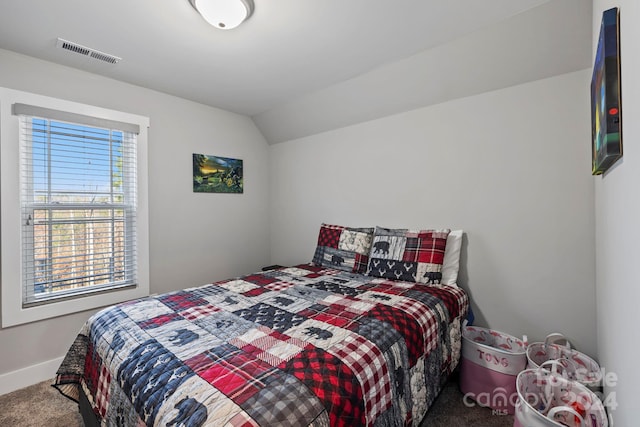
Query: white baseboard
15	380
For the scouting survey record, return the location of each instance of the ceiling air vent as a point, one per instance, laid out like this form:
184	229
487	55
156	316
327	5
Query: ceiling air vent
87	51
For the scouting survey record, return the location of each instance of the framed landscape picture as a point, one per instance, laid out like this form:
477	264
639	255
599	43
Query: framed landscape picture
606	114
213	174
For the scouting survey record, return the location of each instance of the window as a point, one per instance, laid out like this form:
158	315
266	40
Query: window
78	204
81	209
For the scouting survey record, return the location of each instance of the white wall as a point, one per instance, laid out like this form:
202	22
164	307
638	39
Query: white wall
544	41
618	229
195	238
511	167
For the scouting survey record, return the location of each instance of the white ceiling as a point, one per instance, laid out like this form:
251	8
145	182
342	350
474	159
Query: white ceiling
286	51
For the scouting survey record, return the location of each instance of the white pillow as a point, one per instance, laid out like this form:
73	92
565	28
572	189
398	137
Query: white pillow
451	262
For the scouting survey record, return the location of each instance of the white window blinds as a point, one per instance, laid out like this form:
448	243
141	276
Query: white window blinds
78	204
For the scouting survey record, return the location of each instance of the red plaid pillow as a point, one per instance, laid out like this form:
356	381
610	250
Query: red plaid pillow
411	256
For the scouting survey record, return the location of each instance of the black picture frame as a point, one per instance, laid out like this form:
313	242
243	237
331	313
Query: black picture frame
215	174
606	111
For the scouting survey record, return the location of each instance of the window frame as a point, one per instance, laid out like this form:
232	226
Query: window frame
13	311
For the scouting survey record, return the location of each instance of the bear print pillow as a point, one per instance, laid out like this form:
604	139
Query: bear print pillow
343	248
407	255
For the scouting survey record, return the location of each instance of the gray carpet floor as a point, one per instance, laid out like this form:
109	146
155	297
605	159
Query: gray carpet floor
42	405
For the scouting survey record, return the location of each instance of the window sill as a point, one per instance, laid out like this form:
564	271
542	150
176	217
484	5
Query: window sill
14	314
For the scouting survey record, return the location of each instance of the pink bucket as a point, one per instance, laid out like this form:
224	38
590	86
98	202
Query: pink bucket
490	363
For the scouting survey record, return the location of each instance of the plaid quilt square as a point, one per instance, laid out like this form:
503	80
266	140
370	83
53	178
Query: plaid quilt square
332	382
236	374
337	315
330	235
453	298
181	300
334	320
343	248
349	305
379	333
199	312
268	345
207	290
412	256
388	288
368	365
287	403
401	321
425	318
426	247
259	279
279	285
341	312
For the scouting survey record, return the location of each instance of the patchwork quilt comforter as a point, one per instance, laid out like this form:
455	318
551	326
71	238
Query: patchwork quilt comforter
299	346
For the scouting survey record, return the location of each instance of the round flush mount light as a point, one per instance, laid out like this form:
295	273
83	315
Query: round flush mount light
224	14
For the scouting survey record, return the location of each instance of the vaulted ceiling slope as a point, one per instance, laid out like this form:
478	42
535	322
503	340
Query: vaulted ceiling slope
302	67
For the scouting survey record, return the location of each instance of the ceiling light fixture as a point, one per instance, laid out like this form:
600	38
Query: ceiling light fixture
224	14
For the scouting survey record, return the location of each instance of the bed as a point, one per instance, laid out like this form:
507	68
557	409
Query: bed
330	343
